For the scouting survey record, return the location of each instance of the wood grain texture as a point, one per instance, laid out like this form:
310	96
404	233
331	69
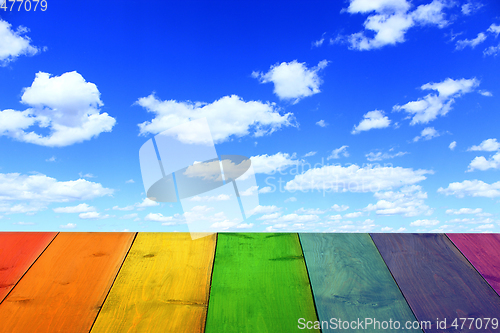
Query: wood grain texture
350	280
65	288
259	284
163	286
437	280
18	251
483	252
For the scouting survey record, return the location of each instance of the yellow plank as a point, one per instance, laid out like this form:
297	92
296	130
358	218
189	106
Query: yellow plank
163	286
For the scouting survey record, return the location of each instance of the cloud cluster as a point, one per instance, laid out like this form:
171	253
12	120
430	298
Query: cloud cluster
293	80
427	134
379	156
336	153
472	188
428	108
272	163
371	120
14	43
389	20
227	117
409	201
480	162
66	105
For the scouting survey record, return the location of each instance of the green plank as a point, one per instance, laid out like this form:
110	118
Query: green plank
350	281
259	284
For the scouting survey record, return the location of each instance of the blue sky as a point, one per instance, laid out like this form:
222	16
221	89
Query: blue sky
358	116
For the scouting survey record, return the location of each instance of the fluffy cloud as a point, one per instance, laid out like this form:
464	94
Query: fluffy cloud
311	153
409	201
492	50
68	226
462	211
337	152
391	19
452	145
293	80
427	134
424	223
340	208
431	106
321	123
226	117
472	188
81	208
14	43
379	156
494	29
486	145
272	163
372	119
481	163
470	7
139	205
266	189
309	211
90	215
334	178
472	43
67	105
265	209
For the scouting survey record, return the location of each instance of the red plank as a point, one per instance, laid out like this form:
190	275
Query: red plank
483	252
18	251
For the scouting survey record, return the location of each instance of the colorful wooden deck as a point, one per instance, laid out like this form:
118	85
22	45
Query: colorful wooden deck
249	282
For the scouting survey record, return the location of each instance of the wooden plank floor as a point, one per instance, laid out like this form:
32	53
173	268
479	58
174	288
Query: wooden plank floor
65	288
350	281
483	252
259	284
437	280
163	286
18	251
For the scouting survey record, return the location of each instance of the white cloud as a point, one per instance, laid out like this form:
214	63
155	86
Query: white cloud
90	215
481	163
322	123
486	145
424	223
81	208
67	105
472	43
431	106
341	208
391	20
485	93
14	43
293	80
25	223
131	207
409	201
272	163
353	215
470	7
130	181
334	178
315	211
452	145
270	216
158	218
43	189
227	117
371	120
265	209
309	154
68	226
291	199
146	203
265	189
462	211
492	50
427	134
249	191
87	175
245	226
379	156
129	216
318	42
52	159
208	198
494	29
334	217
472	188
294	218
337	152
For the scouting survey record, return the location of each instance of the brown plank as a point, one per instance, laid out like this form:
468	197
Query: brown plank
65	288
483	252
18	251
437	281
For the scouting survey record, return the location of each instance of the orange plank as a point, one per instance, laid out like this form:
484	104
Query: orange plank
18	251
65	288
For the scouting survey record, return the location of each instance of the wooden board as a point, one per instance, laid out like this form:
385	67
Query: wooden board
483	252
437	280
259	284
163	286
65	288
18	251
350	281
